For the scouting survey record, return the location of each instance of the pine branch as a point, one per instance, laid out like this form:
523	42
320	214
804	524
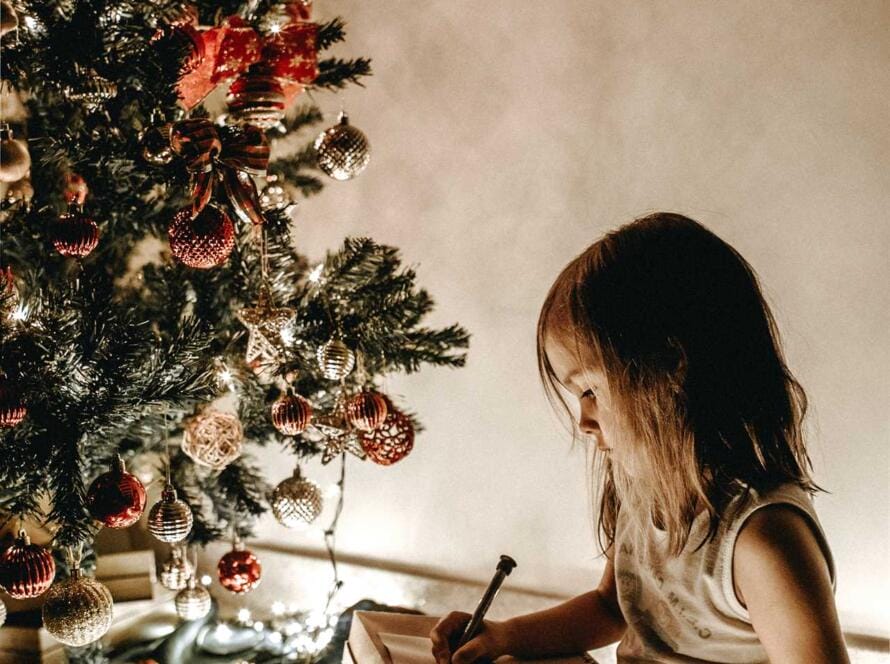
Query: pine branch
330	33
336	74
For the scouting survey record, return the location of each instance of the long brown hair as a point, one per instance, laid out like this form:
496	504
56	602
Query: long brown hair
694	364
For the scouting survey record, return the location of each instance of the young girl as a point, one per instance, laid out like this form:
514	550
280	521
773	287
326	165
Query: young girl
713	549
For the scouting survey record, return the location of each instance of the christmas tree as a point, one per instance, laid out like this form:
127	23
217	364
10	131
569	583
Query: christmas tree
148	270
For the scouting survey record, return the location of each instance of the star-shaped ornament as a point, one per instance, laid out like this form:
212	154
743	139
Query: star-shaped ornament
339	437
265	323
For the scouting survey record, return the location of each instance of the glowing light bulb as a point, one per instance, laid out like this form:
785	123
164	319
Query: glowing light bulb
20	313
243	615
315	275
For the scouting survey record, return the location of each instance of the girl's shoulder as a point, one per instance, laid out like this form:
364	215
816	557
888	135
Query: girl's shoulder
790	508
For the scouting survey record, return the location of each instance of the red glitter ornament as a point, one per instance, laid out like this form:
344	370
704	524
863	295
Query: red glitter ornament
26	570
366	410
203	242
239	570
116	498
392	442
12	408
291	414
75	234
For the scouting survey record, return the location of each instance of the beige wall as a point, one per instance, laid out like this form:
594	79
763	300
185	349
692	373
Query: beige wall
506	137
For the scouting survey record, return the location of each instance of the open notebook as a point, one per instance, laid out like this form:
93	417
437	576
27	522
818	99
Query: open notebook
396	638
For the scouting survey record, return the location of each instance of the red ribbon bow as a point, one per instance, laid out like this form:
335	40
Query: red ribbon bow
228	154
289	53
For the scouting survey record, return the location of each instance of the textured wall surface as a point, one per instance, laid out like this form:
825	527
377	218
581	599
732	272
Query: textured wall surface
507	136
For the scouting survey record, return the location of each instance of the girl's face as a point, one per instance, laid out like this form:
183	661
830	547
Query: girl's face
579	373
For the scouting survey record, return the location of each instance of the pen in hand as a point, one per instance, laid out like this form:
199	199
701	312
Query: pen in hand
505	566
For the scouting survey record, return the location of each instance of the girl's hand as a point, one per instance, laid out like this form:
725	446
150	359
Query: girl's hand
490	643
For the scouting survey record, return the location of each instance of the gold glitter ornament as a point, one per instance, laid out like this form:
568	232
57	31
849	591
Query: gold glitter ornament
265	323
296	501
335	359
213	439
77	611
193	601
170	519
342	151
176	571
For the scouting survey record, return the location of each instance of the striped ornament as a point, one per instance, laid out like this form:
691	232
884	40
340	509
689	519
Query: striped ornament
26	570
366	410
75	234
170	519
291	414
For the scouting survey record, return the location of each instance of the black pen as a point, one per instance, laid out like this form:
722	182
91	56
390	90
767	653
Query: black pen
505	566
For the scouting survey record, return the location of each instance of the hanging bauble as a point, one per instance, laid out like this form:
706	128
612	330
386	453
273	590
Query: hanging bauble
12	408
116	499
296	501
239	570
366	410
9	20
2	613
176	571
342	150
170	519
335	359
193	601
213	439
75	234
20	192
91	88
15	161
256	98
274	196
156	148
291	414
76	189
77	611
204	241
392	442
26	570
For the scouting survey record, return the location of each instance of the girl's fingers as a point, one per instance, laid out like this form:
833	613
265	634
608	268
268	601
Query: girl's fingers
473	650
447	630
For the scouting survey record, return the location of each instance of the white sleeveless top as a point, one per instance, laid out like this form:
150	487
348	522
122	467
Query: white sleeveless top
684	609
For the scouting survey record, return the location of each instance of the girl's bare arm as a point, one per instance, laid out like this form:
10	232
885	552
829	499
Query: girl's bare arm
782	578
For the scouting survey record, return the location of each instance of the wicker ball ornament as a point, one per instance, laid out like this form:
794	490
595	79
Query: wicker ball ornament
392	442
15	161
116	498
77	611
256	98
213	439
192	602
296	501
170	519
75	234
176	571
239	570
291	414
335	359
342	151
12	408
204	241
26	570
366	410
